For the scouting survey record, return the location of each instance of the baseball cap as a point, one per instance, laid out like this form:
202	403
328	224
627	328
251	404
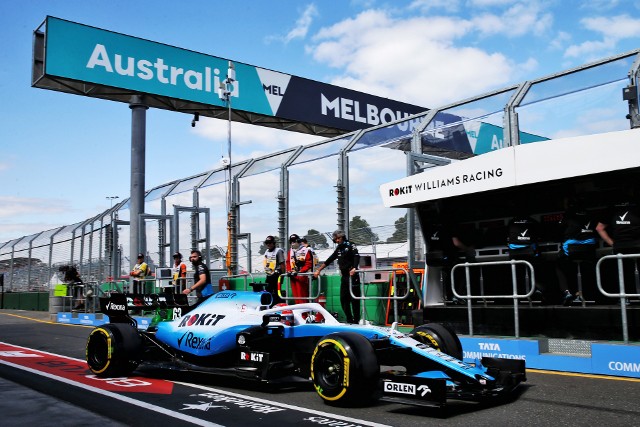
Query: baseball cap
141	255
302	240
294	238
270	239
177	255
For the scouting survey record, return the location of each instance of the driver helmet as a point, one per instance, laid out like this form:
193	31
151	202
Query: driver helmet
286	316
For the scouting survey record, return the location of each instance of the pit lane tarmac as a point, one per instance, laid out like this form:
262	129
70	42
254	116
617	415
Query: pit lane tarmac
44	381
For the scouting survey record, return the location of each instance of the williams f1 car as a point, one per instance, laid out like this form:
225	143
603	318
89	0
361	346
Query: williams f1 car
237	333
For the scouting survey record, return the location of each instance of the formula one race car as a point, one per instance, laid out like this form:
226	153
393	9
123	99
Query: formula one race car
236	333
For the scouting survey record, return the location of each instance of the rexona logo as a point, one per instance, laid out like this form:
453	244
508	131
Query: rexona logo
157	69
251	357
201	319
115	307
190	340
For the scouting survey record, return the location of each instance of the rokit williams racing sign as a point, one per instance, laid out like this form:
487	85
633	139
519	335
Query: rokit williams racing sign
81	53
486	172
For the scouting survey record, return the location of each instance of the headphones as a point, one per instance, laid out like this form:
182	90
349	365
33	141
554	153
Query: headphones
198	253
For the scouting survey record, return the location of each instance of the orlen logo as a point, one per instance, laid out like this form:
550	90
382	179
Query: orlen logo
200	319
400	191
115	307
400	388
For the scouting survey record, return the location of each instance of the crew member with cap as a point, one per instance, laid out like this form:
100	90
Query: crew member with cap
179	272
274	266
348	260
299	260
139	273
201	277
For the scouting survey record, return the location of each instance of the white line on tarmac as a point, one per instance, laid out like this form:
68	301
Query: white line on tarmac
284	405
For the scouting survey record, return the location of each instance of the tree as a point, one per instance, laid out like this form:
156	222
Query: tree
316	239
400	233
360	232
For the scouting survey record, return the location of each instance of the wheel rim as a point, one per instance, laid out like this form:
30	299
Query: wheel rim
98	353
331	369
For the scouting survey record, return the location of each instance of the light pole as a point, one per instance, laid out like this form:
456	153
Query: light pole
111	198
224	93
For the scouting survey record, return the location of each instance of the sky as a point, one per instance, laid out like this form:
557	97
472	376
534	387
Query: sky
63	156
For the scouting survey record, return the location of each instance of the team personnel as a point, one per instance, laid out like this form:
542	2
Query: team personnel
578	240
622	232
178	272
443	246
522	241
348	259
274	266
299	260
139	273
201	277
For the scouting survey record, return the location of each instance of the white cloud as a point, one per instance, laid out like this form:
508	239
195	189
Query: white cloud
561	39
301	27
428	5
516	21
588	48
614	27
414	60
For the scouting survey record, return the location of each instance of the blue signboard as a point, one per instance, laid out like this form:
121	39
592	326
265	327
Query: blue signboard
80	53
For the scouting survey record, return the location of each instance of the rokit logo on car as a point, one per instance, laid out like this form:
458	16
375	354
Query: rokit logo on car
192	341
201	319
251	356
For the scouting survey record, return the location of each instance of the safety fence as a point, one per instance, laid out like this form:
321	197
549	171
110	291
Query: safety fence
287	191
626	272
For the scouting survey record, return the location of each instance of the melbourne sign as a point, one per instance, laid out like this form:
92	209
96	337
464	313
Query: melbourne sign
79	53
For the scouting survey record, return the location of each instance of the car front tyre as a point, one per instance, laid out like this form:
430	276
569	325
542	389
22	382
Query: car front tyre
345	370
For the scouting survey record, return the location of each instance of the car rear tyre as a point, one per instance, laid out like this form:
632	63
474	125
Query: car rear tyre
439	336
345	370
113	350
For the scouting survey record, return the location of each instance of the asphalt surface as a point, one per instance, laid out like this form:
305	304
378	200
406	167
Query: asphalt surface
547	399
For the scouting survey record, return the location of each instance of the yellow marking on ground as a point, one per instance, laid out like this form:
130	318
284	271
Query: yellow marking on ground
45	321
575	374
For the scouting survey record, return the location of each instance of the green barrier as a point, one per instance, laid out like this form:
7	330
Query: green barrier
32	301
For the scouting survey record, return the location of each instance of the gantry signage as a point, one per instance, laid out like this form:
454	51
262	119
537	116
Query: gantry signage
77	58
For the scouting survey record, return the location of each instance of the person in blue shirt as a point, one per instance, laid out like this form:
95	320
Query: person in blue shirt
578	240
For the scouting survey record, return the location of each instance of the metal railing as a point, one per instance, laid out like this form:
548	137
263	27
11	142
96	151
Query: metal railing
310	298
515	296
621	286
245	276
392	295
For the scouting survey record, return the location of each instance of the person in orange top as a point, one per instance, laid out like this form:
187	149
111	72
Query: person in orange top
179	272
299	260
